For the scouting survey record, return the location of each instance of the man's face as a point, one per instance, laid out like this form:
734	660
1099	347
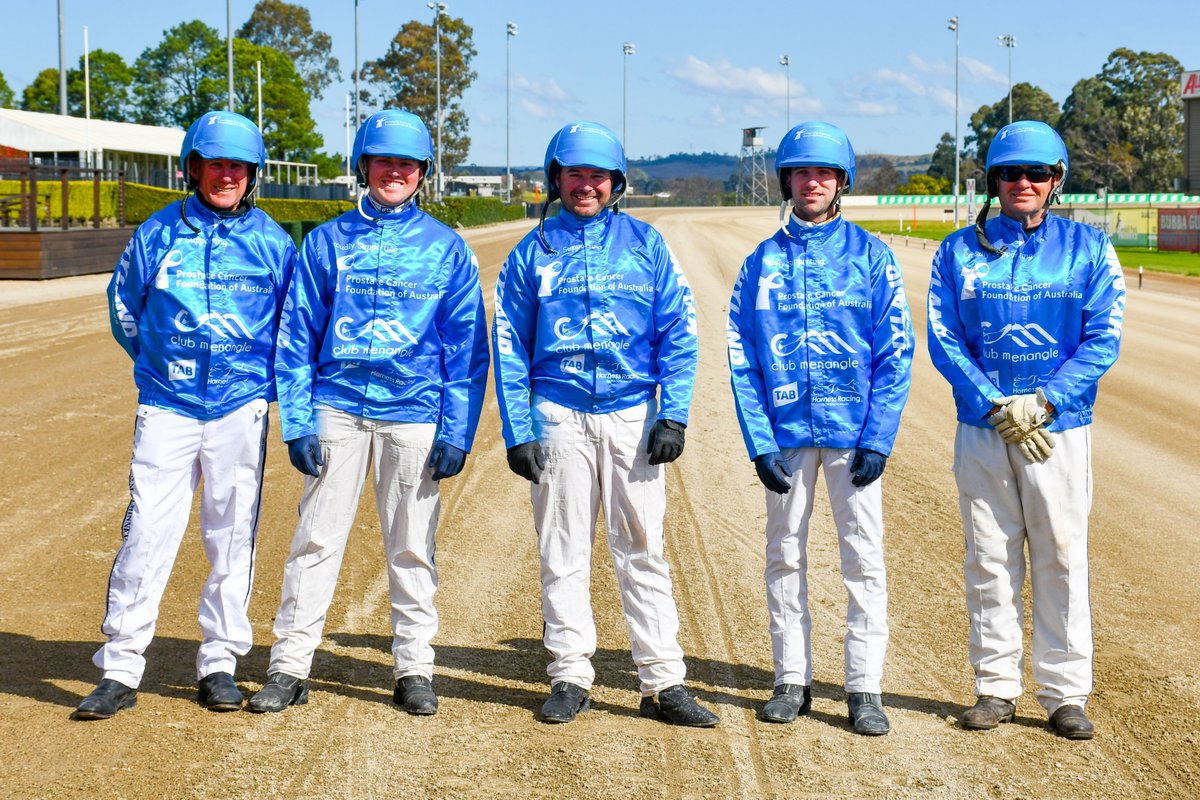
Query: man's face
221	182
585	191
392	180
1024	191
814	190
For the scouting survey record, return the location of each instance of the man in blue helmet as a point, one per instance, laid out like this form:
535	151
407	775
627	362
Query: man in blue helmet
820	352
195	301
382	361
595	347
1025	315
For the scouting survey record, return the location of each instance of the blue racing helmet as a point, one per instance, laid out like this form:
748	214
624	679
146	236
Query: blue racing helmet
585	144
814	144
223	134
392	132
1026	142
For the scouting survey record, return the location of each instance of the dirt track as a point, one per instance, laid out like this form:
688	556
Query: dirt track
68	399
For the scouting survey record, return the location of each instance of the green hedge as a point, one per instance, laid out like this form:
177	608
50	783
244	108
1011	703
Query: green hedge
468	211
142	201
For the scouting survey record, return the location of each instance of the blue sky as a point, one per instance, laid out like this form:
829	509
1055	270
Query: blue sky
884	71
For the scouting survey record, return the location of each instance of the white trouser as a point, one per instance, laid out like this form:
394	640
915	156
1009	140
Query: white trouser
858	515
170	454
594	461
408	503
1007	503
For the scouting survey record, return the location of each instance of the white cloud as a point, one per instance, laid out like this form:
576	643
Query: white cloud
984	72
538	110
930	67
868	109
722	77
546	90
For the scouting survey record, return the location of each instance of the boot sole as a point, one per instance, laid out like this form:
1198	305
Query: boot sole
93	715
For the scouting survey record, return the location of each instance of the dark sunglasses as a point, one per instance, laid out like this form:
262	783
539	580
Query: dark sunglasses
1036	173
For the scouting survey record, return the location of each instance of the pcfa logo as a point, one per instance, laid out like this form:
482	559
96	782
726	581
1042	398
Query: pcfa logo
172	259
971	275
383	330
546	273
1023	336
771	281
183	370
822	343
228	324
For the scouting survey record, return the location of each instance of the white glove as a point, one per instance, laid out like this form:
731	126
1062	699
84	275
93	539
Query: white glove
1019	415
1037	446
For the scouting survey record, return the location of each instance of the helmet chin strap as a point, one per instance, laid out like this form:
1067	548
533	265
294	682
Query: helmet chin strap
981	220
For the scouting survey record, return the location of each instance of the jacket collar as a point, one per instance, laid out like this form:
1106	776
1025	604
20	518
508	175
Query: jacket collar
807	234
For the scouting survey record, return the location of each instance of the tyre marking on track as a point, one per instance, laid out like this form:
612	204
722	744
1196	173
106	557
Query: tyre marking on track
743	748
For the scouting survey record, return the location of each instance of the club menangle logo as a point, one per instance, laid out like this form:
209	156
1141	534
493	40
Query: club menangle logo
822	343
1025	336
382	329
229	324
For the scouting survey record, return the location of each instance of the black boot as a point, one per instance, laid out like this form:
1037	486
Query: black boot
790	700
566	700
279	692
106	700
218	692
677	706
415	693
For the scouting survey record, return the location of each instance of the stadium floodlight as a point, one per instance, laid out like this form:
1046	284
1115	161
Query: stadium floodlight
1009	41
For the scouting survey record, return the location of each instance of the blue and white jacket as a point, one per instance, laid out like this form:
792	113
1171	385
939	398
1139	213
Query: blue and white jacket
1046	314
603	323
197	310
820	341
384	319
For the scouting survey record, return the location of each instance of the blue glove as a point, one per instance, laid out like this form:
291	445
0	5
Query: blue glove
867	466
445	460
666	441
527	460
774	472
305	453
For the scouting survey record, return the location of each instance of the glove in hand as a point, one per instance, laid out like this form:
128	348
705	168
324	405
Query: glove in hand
305	453
1038	446
527	460
774	472
867	466
445	460
666	441
1019	416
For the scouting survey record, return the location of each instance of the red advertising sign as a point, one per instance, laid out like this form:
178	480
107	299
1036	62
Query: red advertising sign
1179	229
1189	86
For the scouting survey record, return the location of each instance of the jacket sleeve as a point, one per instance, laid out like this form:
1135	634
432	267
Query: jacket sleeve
462	327
513	335
749	386
891	354
948	347
675	347
1103	317
127	295
298	343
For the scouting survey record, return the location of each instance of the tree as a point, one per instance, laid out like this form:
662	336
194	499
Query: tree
288	129
42	94
876	175
924	184
1149	112
1028	102
6	93
1098	154
110	78
170	80
941	164
287	27
405	77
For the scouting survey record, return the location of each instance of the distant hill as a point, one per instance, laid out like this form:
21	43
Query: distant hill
712	166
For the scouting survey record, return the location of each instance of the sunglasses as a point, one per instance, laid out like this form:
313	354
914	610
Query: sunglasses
1036	174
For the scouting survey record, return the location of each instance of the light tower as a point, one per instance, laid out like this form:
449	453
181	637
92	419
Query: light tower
752	187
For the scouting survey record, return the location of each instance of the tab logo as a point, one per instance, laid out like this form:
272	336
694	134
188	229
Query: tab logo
572	365
184	370
785	395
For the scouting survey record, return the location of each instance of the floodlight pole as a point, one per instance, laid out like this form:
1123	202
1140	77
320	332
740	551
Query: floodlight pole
356	70
1009	41
629	49
787	74
62	63
511	32
957	151
438	9
229	48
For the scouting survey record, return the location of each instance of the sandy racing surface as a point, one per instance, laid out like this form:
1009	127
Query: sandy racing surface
68	401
